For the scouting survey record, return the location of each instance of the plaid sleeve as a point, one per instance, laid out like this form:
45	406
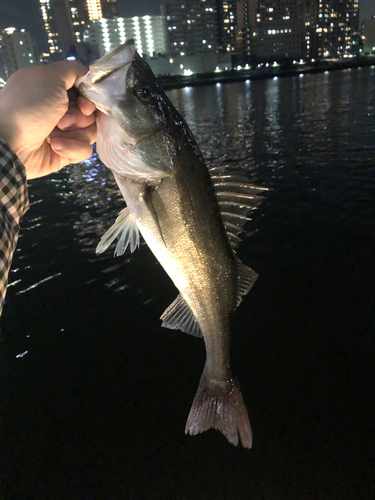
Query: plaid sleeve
14	202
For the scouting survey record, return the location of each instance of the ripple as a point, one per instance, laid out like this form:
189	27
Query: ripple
310	138
38	283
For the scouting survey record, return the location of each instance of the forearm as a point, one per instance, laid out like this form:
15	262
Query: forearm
14	202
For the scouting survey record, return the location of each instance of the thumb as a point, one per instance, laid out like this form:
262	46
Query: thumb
68	72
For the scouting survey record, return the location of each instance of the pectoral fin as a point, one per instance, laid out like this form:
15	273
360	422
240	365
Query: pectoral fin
179	316
125	229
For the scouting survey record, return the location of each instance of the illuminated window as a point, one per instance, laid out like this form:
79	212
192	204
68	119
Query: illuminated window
94	9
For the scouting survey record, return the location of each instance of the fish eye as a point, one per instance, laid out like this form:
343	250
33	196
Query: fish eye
144	93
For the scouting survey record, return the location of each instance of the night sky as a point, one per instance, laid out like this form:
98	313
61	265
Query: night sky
26	14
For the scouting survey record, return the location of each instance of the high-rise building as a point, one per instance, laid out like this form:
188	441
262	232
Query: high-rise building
311	39
227	25
294	29
79	18
58	26
279	30
94	9
246	25
191	27
84	11
200	26
147	32
369	36
66	23
110	9
337	28
18	50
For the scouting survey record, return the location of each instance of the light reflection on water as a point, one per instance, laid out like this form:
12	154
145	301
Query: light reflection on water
297	134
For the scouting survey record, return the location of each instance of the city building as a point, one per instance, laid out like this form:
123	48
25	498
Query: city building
84	11
277	30
191	27
58	27
227	25
66	23
311	36
79	18
18	50
94	9
147	32
337	28
200	26
110	9
297	29
369	36
246	25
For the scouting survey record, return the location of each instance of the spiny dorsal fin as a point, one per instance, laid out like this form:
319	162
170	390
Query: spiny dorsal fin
179	316
125	229
236	198
246	279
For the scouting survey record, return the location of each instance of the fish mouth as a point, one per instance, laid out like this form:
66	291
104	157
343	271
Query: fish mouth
119	59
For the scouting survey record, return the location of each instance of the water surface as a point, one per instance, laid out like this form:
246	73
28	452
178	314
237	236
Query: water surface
95	394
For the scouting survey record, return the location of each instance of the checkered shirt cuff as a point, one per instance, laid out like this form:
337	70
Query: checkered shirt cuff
14	202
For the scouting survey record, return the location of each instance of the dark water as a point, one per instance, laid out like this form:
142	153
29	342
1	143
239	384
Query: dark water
95	395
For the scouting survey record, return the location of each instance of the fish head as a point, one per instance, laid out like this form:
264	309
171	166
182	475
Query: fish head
105	81
123	86
142	106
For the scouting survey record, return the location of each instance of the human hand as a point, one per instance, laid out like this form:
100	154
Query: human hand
44	120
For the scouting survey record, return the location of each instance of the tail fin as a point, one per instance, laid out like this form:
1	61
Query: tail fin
219	404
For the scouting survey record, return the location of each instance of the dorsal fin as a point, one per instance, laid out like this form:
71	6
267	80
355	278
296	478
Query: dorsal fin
236	197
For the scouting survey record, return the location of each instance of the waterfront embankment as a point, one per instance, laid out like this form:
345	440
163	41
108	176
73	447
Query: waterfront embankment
262	72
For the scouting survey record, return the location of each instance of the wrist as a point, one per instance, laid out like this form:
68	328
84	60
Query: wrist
5	128
10	132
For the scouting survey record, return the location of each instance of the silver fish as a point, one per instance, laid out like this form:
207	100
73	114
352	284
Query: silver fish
189	219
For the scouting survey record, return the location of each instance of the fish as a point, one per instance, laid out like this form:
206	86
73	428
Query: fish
189	217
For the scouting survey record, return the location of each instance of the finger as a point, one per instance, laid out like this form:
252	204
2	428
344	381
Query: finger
68	71
74	151
75	119
87	107
87	134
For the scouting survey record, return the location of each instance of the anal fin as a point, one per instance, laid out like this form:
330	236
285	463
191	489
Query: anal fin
179	316
125	229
